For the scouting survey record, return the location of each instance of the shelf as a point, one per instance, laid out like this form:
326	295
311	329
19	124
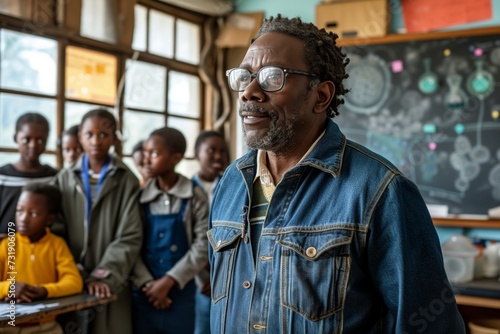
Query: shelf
478	301
395	38
470	223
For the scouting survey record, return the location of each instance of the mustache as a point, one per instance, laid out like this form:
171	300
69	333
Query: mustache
252	108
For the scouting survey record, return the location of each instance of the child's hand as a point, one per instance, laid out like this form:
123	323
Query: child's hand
157	292
28	293
99	289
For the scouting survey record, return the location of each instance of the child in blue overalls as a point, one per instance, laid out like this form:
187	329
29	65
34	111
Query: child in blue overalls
175	242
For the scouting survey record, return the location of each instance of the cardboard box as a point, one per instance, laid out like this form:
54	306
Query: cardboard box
355	18
239	29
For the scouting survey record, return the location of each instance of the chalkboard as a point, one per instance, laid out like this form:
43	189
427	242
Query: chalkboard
432	107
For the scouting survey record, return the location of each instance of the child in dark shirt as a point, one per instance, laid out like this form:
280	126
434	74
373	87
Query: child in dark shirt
32	130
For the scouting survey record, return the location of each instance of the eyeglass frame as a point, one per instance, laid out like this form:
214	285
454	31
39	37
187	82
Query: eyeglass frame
255	75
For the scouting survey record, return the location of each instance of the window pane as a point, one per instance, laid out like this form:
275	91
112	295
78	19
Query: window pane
74	111
97	20
188	167
10	158
28	63
90	75
140	31
131	165
187	42
12	106
184	94
161	34
137	126
145	86
189	128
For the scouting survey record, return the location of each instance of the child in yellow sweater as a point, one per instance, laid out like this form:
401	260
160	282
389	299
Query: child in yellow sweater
34	263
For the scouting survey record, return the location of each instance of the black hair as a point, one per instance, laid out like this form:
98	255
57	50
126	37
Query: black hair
108	119
32	117
322	55
71	131
173	139
51	193
204	135
138	147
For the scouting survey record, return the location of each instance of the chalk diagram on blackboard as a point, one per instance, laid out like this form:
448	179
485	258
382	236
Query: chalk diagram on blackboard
433	109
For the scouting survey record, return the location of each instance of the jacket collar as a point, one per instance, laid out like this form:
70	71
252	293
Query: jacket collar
183	188
114	165
327	155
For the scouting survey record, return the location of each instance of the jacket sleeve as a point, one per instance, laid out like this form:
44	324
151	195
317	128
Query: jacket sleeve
69	280
405	262
121	254
141	274
58	227
196	257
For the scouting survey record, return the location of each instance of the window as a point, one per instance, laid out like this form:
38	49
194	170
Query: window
159	94
158	84
28	83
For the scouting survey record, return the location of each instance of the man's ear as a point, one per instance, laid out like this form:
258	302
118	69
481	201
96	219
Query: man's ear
325	92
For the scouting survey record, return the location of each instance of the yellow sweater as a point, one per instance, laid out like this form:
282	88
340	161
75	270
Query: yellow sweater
47	262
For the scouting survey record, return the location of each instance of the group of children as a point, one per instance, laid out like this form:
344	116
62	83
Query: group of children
143	242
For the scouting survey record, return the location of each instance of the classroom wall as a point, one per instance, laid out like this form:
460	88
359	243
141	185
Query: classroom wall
306	10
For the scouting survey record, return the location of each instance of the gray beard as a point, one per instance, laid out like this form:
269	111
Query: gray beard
278	139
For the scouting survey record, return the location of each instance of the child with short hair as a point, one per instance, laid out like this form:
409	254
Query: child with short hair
44	265
175	240
102	220
212	153
32	130
70	145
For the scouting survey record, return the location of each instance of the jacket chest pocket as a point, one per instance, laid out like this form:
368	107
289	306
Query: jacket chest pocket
314	272
224	241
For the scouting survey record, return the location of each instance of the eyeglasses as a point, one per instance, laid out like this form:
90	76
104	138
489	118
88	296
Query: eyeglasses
269	78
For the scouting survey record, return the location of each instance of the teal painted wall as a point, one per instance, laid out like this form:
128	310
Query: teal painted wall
306	10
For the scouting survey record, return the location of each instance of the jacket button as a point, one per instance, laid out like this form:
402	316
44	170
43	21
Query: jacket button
311	252
160	235
173	248
219	243
246	284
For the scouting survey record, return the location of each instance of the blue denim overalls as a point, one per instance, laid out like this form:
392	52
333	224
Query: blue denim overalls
165	243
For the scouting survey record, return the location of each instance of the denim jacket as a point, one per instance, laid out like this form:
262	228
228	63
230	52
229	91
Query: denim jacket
347	246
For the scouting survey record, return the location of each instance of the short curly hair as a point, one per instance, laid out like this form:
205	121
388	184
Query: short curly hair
51	193
172	138
322	55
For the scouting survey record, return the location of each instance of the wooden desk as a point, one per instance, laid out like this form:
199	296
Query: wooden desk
64	304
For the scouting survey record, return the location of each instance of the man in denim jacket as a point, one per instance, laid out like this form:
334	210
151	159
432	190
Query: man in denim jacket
310	232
